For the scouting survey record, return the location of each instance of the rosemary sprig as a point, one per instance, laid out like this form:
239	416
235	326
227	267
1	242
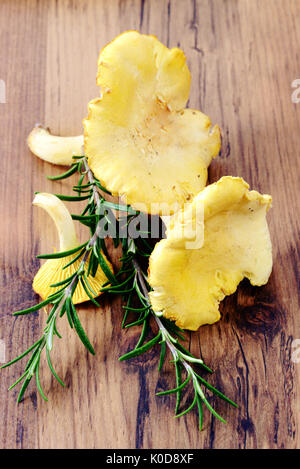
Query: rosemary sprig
61	300
130	282
135	285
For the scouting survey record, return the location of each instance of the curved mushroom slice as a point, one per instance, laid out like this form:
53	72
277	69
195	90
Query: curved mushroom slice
54	149
188	284
141	141
53	271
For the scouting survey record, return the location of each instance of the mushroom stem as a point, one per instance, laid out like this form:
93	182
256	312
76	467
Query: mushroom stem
61	217
54	149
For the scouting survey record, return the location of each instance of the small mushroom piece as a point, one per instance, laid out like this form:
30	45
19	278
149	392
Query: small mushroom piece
189	281
54	149
53	271
141	141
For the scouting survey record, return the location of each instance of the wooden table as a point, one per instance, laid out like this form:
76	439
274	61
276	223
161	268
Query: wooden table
244	56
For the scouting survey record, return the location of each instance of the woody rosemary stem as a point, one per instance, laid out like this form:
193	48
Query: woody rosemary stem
92	181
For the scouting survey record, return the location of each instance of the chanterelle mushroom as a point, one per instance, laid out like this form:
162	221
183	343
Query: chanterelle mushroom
140	140
52	271
188	284
54	149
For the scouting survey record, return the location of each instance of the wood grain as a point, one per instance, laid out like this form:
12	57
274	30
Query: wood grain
243	55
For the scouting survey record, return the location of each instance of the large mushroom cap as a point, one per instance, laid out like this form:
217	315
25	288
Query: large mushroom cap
189	283
141	141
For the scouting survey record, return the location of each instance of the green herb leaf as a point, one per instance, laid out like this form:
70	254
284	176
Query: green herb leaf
59	255
140	350
72	170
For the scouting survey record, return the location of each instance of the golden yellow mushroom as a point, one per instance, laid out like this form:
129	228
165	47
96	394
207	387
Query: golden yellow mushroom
54	149
140	140
190	273
52	271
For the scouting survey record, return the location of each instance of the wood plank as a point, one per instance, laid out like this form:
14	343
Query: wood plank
243	56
